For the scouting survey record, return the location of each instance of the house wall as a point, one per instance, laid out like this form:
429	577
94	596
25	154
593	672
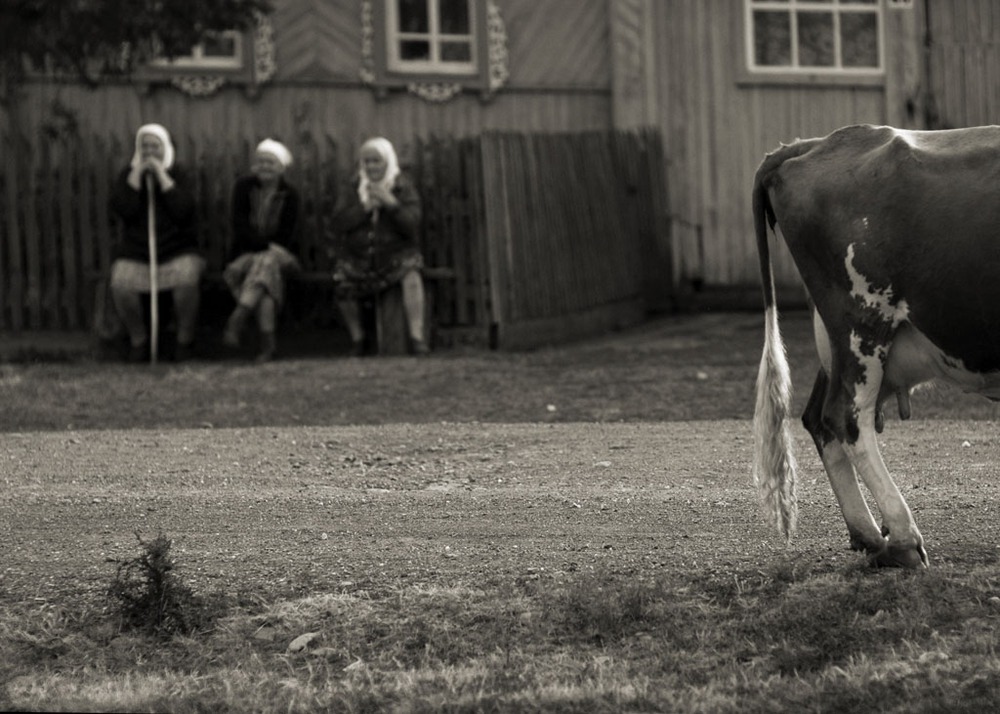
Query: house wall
963	63
718	127
559	81
716	124
555	44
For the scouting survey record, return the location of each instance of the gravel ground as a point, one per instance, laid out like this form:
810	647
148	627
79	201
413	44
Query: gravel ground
285	511
630	452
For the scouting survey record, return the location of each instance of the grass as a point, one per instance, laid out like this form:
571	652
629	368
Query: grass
675	368
796	638
798	633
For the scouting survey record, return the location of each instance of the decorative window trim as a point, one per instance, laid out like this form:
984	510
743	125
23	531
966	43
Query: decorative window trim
196	60
751	73
257	67
489	43
434	37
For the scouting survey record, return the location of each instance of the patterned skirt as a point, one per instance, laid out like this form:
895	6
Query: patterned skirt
133	275
354	279
265	270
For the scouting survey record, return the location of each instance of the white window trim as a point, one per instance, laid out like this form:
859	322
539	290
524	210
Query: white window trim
435	37
197	60
793	8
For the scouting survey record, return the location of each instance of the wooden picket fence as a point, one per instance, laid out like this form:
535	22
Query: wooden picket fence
529	238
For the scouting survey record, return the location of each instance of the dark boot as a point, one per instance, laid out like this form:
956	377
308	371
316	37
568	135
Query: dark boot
420	347
139	353
234	326
184	352
268	347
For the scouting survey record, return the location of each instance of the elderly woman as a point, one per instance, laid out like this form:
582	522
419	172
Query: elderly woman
265	220
153	178
377	221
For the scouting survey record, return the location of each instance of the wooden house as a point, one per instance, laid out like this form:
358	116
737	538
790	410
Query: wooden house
721	82
730	79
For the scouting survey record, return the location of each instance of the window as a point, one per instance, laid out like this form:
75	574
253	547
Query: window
219	51
436	49
814	36
233	57
431	36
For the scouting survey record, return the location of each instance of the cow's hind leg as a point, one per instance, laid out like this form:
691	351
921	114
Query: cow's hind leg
850	410
904	544
843	416
861	526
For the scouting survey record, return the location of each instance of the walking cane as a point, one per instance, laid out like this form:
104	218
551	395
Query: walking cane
154	290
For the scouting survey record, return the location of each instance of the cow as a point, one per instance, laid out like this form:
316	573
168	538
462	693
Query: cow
896	236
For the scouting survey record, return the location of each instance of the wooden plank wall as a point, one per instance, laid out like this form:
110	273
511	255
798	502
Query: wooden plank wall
717	127
556	45
568	232
963	63
718	123
559	81
449	173
57	231
58	234
347	114
570	251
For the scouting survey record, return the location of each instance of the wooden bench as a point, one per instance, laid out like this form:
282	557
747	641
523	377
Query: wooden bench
386	326
389	329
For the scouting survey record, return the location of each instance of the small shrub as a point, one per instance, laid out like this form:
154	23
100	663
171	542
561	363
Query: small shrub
150	597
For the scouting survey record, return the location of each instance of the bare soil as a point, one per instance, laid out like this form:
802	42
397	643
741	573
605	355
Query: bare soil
629	452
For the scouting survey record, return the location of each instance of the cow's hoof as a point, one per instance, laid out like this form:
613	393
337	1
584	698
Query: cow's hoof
861	544
914	557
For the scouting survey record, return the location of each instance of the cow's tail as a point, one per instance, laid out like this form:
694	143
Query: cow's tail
774	458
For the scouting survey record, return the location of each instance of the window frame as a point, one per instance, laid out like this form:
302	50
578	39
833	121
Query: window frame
192	67
203	77
378	71
752	73
433	66
195	60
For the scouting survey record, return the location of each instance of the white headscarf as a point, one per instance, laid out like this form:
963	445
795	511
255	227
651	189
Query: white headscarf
160	133
277	150
386	151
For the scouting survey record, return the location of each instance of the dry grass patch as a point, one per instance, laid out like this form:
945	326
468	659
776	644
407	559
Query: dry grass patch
798	637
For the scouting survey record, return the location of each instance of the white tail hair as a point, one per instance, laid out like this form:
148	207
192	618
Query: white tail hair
774	458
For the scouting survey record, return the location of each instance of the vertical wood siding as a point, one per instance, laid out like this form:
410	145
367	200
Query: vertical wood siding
289	112
717	130
535	237
569	232
963	62
716	127
559	81
554	43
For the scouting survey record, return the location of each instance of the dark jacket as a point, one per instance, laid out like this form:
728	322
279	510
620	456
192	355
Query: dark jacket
248	238
396	233
175	218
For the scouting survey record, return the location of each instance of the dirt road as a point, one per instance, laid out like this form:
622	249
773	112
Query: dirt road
281	511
